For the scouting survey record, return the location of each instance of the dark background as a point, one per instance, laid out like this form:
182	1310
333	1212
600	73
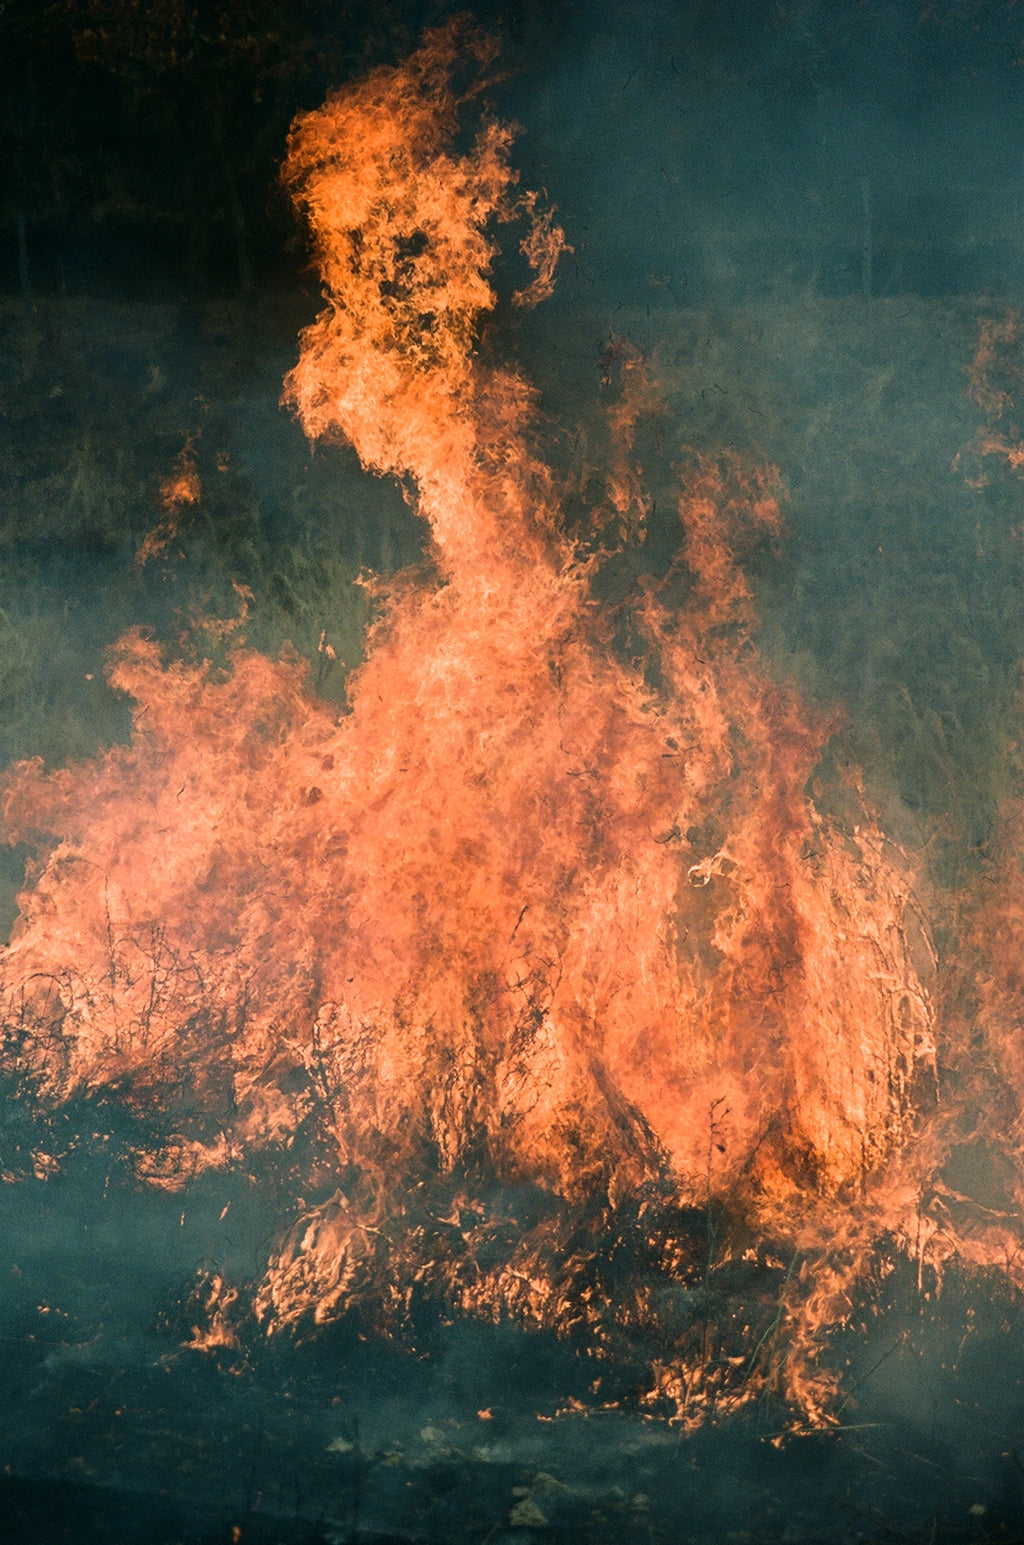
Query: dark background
722	146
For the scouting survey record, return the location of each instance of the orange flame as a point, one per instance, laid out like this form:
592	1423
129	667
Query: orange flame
530	919
183	487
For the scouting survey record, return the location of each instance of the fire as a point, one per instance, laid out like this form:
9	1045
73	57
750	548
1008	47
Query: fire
547	940
183	487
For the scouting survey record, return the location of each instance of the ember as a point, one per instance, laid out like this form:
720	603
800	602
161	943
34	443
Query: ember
560	937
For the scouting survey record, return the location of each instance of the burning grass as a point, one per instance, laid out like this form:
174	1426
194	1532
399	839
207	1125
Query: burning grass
557	965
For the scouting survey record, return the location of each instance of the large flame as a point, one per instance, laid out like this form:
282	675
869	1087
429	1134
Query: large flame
545	925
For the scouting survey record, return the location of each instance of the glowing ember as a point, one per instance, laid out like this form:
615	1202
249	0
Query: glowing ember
543	943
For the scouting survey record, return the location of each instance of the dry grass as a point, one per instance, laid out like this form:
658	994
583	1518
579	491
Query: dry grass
896	594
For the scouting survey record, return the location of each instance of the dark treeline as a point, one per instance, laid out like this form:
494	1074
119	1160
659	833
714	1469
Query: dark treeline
140	139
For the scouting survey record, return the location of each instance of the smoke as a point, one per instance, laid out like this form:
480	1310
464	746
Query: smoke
550	971
728	154
549	907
